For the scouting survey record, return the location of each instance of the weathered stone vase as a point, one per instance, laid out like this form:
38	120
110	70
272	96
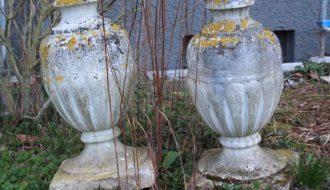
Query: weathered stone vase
91	97
236	78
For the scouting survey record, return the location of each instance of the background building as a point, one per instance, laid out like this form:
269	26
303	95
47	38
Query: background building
294	22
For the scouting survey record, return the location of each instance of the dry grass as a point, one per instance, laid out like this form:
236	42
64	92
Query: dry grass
302	116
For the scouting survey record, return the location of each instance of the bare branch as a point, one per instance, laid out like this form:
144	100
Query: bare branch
43	109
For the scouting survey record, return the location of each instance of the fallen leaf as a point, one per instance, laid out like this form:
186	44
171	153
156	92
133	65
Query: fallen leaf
26	139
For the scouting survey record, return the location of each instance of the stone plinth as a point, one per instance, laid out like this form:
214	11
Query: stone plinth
280	181
134	174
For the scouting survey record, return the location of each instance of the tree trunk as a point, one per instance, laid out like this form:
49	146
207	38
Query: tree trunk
6	97
26	94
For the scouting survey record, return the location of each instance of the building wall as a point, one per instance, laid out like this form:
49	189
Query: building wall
298	15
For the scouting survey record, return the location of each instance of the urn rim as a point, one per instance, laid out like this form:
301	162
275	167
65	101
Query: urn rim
67	3
228	4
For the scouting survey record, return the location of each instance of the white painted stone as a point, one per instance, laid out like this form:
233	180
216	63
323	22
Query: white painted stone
289	67
91	97
235	74
326	79
325	59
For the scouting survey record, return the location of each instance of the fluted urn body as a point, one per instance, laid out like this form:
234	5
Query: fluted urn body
235	77
87	69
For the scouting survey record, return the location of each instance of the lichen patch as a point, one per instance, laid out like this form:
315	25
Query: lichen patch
219	2
216	27
268	35
244	24
63	3
59	79
225	42
115	27
47	80
72	42
44	52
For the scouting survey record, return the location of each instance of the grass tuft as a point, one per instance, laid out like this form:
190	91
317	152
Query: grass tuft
312	172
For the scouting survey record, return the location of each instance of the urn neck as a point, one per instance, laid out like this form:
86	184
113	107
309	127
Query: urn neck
235	15
74	14
240	142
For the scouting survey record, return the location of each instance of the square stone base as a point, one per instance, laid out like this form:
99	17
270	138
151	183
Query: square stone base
105	181
65	181
281	181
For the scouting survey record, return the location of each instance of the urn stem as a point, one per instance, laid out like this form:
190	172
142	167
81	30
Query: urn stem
72	15
235	15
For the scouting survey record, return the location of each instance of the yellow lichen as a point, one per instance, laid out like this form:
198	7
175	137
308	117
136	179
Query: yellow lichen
47	80
214	28
72	42
59	79
213	42
268	35
115	27
94	33
220	1
84	38
125	65
244	24
226	41
209	42
60	38
61	3
44	52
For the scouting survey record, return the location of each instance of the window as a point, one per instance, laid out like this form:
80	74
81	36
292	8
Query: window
287	40
185	42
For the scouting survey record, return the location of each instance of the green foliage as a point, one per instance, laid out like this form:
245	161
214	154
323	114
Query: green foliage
170	158
32	166
310	67
173	177
284	143
312	172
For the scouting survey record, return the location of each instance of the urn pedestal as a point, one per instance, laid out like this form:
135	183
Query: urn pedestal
236	79
87	71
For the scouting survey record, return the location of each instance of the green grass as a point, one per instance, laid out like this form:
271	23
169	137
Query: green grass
312	172
32	166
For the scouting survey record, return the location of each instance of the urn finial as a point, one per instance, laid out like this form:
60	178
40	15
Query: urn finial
228	4
65	3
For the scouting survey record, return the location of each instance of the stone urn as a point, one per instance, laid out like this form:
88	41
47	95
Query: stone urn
235	77
87	68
